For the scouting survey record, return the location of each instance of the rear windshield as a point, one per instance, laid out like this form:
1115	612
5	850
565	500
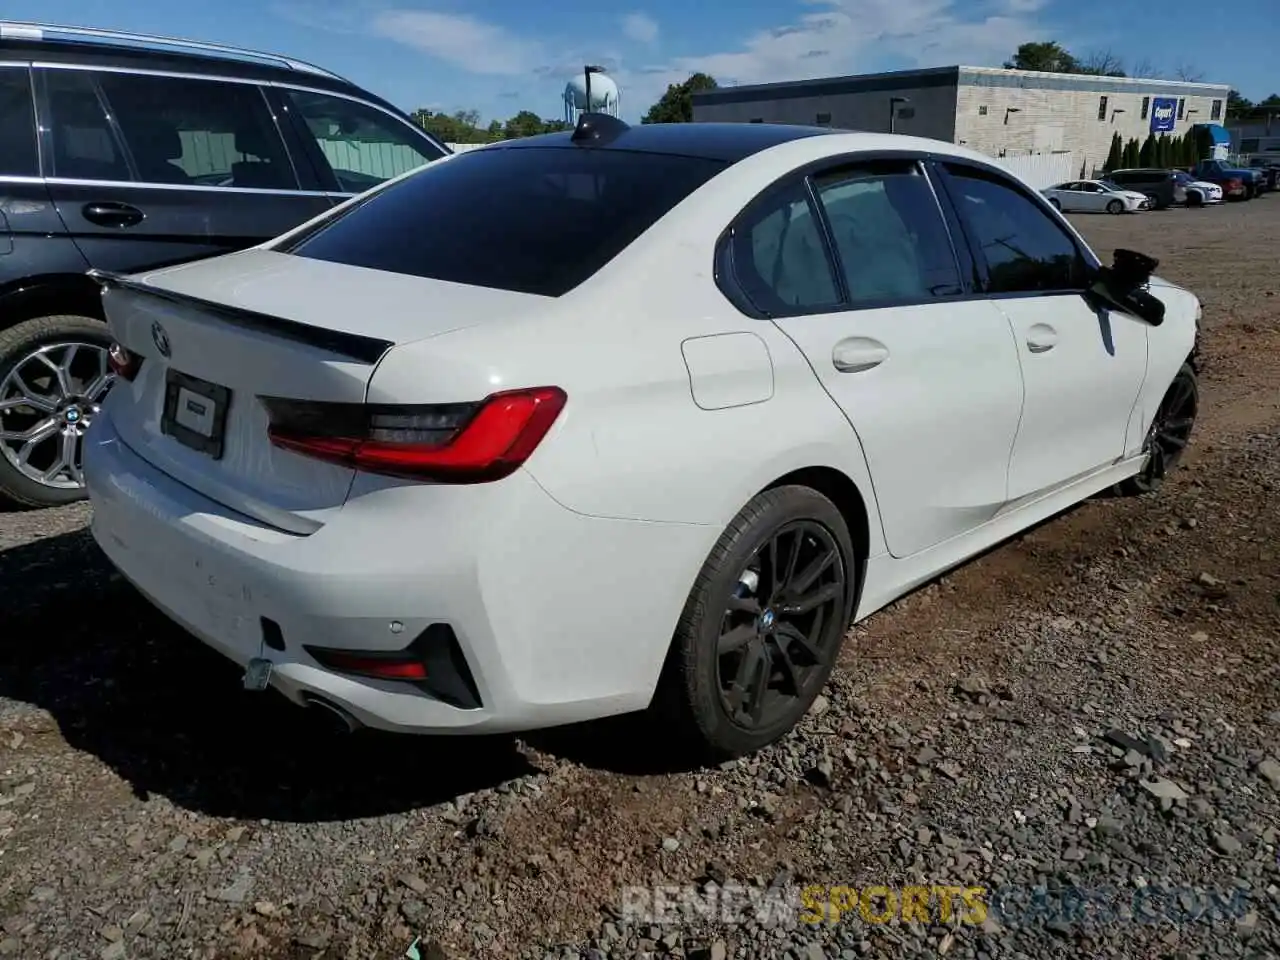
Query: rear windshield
530	219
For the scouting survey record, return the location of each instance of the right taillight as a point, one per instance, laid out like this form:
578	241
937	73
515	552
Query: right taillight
124	363
446	443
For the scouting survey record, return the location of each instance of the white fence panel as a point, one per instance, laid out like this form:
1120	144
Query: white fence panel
1042	170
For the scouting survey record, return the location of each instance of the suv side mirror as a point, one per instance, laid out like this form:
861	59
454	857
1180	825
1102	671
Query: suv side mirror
1122	285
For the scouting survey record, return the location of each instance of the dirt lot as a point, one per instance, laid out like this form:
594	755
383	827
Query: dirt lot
1090	712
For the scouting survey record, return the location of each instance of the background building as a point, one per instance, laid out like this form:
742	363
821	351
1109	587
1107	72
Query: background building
1003	113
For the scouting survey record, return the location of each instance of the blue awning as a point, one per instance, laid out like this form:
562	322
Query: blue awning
1217	132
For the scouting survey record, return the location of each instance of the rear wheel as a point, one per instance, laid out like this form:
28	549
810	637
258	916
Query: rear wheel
1168	434
53	377
1115	206
763	624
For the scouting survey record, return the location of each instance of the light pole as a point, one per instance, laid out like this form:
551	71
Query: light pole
893	109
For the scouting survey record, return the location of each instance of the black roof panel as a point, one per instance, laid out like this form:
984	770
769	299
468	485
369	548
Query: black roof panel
729	142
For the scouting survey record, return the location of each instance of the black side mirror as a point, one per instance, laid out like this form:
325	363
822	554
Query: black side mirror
1122	285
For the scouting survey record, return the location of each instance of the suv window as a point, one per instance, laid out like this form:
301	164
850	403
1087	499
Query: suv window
531	219
199	132
18	157
1025	249
362	145
889	234
779	257
83	146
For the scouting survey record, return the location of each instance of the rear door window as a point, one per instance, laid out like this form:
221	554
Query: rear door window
204	133
362	145
18	157
530	219
889	233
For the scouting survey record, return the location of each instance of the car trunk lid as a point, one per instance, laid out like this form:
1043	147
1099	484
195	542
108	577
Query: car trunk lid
215	336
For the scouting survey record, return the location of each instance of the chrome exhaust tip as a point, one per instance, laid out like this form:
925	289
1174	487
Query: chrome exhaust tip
333	716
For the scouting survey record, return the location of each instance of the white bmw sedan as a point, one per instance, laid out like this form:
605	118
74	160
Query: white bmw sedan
621	418
1096	196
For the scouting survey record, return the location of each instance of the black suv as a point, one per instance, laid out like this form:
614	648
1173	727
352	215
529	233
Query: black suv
1270	168
1159	184
124	153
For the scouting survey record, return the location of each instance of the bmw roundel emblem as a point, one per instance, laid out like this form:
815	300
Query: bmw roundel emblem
161	340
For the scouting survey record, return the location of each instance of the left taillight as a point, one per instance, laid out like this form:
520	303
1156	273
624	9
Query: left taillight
445	443
124	363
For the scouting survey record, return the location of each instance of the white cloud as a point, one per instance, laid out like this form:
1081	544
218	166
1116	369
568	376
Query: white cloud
470	44
640	27
854	36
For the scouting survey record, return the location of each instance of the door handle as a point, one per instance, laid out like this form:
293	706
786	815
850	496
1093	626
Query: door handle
108	213
857	354
1041	338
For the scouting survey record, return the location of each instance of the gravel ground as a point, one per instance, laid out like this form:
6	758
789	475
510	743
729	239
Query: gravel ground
1082	728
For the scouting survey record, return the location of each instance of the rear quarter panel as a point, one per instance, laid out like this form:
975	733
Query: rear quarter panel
632	443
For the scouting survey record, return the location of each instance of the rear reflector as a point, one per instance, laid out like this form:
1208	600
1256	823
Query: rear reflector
448	443
384	667
123	362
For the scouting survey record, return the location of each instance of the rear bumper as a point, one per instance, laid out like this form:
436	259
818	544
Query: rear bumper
559	617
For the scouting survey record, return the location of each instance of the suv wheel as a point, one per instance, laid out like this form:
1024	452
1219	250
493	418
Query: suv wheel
54	375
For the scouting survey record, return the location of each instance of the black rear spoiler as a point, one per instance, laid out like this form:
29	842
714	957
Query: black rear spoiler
352	346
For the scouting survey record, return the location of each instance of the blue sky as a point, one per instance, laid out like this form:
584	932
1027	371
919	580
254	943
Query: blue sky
501	56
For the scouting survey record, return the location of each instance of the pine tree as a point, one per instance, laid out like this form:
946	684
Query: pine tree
1115	156
1147	155
1131	153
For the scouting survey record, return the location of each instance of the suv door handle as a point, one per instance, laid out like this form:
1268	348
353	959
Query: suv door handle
857	354
108	213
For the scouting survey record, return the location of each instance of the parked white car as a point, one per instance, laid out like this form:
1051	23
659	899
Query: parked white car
581	424
1096	196
1196	193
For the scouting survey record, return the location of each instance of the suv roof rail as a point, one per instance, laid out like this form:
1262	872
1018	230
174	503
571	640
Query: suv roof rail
21	30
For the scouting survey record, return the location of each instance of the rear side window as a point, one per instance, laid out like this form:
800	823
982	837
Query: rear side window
779	257
198	132
18	157
529	219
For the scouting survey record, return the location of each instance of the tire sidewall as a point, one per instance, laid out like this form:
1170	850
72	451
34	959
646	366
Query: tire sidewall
1145	482
1115	206
791	504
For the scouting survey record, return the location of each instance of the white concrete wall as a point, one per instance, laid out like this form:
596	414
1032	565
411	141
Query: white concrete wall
1043	169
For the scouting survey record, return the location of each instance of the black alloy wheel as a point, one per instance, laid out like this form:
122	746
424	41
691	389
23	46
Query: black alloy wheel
1169	433
781	624
763	625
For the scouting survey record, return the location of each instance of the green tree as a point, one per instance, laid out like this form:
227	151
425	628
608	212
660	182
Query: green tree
1187	151
526	123
463	126
1237	105
1115	157
1050	57
1203	143
676	105
1147	155
1131	152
